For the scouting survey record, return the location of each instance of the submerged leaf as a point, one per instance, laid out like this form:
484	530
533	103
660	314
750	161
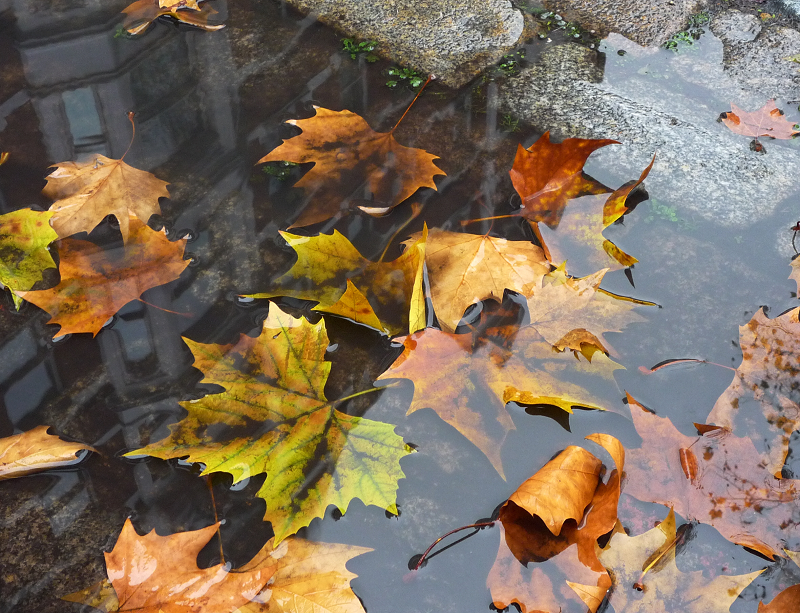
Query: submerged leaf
766	121
387	296
95	284
24	237
278	379
142	13
34	451
647	580
346	151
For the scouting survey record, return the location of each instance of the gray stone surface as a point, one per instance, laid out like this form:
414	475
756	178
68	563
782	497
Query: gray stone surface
793	6
648	22
454	40
655	101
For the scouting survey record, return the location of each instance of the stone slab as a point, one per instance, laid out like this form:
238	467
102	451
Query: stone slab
670	105
453	40
647	22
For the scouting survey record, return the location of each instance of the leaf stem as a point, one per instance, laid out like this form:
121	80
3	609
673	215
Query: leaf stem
480	525
466	222
133	135
665	363
416	209
362	392
155	306
430	78
216	517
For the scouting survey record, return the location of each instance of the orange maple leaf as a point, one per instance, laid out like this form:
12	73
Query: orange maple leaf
159	574
716	478
766	121
95	285
347	152
547	175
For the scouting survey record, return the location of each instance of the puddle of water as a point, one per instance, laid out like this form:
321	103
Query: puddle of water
209	105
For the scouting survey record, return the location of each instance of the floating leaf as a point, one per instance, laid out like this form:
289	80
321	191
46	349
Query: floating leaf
278	379
142	13
24	237
766	121
345	152
34	451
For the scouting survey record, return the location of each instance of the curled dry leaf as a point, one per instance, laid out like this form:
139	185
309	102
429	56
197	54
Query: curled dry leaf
464	269
278	379
96	283
767	376
646	578
467	380
348	154
547	175
387	296
24	237
159	574
715	478
547	559
578	236
142	13
87	192
34	451
766	121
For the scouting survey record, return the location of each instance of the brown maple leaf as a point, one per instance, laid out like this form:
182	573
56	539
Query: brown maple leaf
159	574
647	579
35	450
767	376
547	175
142	13
347	152
550	529
96	283
464	269
468	379
715	478
766	121
87	192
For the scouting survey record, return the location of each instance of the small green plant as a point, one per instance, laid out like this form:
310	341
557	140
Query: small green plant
552	22
280	170
365	48
511	63
509	123
121	32
687	37
406	76
667	213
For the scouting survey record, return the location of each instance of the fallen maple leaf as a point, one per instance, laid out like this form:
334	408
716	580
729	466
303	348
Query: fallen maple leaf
347	152
574	314
468	380
715	478
35	450
96	283
87	192
464	269
547	175
578	235
308	576
554	520
278	378
159	574
142	13
766	121
647	580
24	237
788	599
767	375
330	270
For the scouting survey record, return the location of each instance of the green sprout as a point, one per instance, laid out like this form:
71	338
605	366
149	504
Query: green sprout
509	123
404	75
365	48
686	38
280	170
510	64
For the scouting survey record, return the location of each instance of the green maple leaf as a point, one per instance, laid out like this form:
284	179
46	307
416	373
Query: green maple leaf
24	237
278	379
